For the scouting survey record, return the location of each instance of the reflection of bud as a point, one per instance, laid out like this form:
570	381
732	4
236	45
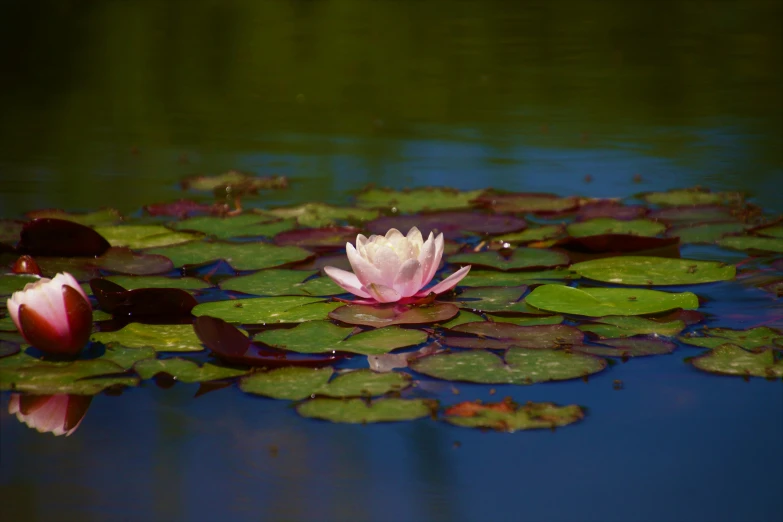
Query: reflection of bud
54	315
58	414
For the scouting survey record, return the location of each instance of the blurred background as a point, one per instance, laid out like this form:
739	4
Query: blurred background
113	101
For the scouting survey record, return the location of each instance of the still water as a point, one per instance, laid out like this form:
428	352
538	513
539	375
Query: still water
111	103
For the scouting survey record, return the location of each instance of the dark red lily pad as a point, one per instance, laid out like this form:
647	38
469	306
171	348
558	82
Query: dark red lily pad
117	259
142	302
58	237
521	202
689	214
605	243
451	224
228	343
319	262
499	336
689	317
629	347
326	237
183	208
9	348
608	208
381	315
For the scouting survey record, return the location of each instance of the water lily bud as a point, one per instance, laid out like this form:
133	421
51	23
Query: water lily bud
389	268
26	265
54	315
57	414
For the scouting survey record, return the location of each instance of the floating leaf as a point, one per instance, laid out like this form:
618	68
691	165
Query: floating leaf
302	383
8	348
170	303
328	237
728	359
607	208
184	370
597	302
262	310
324	336
510	417
359	411
527	202
241	256
10	230
495	299
235	181
522	366
629	347
144	236
767	244
136	282
538	233
243	225
691	196
163	338
121	260
499	336
691	214
84	377
750	339
282	282
183	208
58	237
640	270
318	215
771	231
598	226
378	316
522	320
627	326
706	233
416	200
520	258
461	318
452	224
104	216
10	283
611	243
494	278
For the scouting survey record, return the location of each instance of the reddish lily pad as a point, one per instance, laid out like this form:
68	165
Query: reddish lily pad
360	411
381	315
494	278
105	216
143	302
452	224
509	417
499	336
610	243
629	347
691	214
183	208
8	348
118	260
537	233
59	237
527	202
641	270
729	359
599	226
597	302
607	208
416	200
328	237
241	256
519	259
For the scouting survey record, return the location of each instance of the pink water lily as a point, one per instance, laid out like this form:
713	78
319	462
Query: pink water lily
54	315
57	414
390	268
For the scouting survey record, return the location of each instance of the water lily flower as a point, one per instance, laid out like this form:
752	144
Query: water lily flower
54	315
390	268
57	414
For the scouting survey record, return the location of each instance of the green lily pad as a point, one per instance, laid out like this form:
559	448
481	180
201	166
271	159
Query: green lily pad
522	366
641	270
282	282
324	336
360	411
728	359
597	302
378	316
263	310
598	226
751	339
295	383
163	338
144	236
416	200
706	233
7	324
627	326
527	202
510	417
184	370
21	372
243	225
236	181
532	234
317	215
771	231
526	321
499	336
104	216
629	347
767	244
10	283
135	282
691	196
520	258
461	318
116	259
495	299
494	278
126	356
241	256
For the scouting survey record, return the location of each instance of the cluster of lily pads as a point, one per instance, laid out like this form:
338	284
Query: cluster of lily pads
200	293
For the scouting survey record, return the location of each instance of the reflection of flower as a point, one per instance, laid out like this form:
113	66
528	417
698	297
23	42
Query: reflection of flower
54	315
58	414
393	267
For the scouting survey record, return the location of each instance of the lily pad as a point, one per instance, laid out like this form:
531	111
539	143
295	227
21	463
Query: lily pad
59	237
771	231
243	225
728	359
324	336
627	326
522	366
163	338
10	283
767	244
640	270
120	260
263	310
598	226
608	208
360	411
519	259
522	320
495	299
528	202
241	256
144	236
282	282
453	225
751	339
691	214
170	304
691	196
327	237
7	348
629	347
236	182
104	216
597	302
538	233
510	417
499	336
494	278
417	200
184	370
378	316
706	233
84	377
136	282
10	229
301	383
318	215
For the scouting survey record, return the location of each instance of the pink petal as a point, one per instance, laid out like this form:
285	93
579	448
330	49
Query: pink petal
388	264
430	255
346	280
382	293
448	283
414	236
363	269
408	280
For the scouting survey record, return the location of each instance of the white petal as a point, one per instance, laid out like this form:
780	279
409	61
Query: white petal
388	264
382	293
408	280
363	269
393	233
346	280
430	255
415	237
448	283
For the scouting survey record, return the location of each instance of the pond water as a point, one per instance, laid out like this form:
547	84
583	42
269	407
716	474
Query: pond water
113	103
